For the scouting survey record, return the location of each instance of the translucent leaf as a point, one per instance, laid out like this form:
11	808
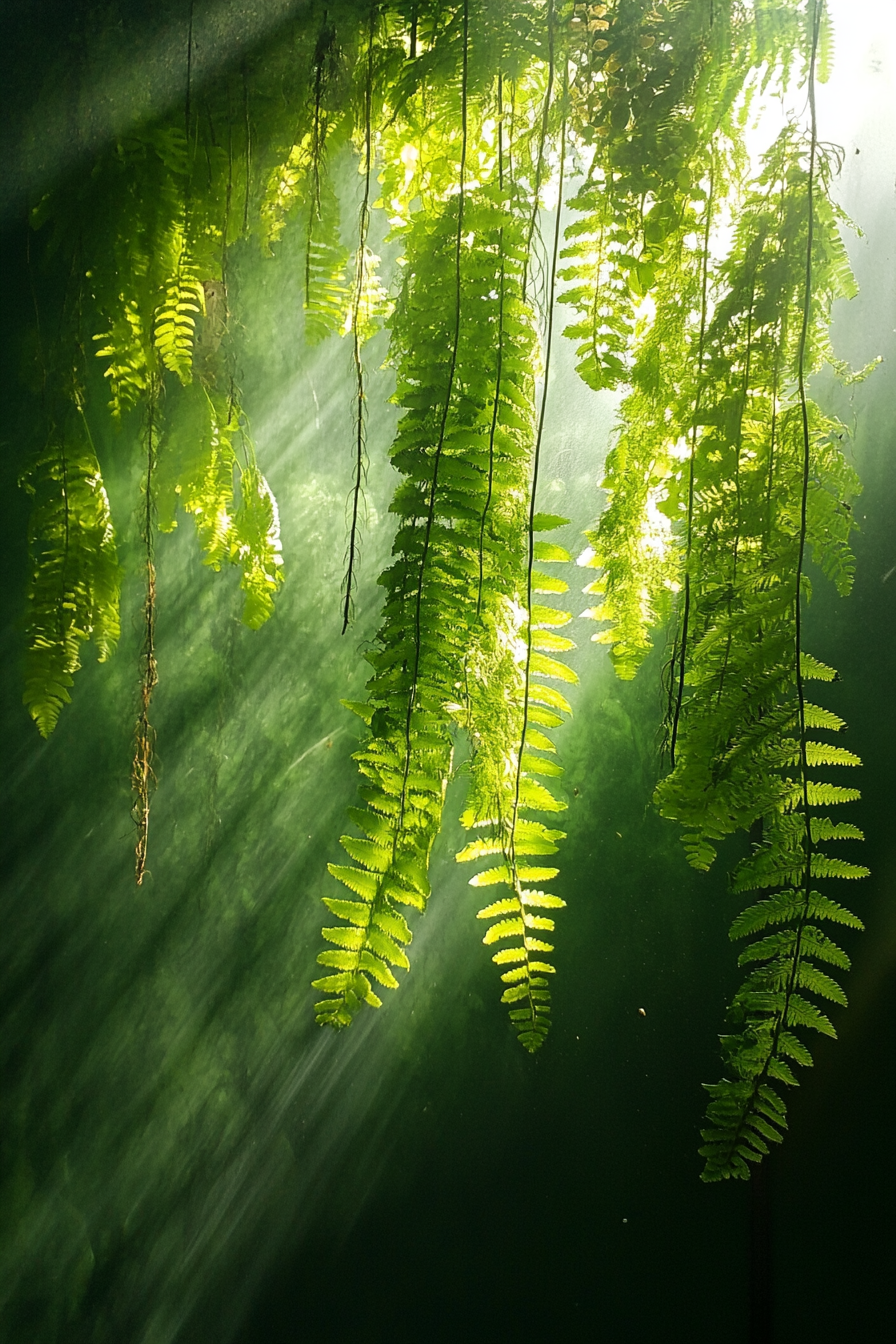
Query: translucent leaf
345	936
505	928
363	884
378	969
353	911
373	856
510	905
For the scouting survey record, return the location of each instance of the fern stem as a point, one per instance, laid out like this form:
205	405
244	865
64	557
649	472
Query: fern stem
766	539
364	225
683	647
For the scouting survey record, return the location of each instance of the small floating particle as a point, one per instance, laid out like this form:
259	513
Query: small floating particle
642	1012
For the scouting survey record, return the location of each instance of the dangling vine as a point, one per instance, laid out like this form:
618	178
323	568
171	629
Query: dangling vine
359	326
143	778
465	120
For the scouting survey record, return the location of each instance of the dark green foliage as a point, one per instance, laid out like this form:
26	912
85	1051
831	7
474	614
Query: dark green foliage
75	578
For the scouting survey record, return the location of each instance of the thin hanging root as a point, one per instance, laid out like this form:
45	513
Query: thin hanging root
143	778
683	641
360	450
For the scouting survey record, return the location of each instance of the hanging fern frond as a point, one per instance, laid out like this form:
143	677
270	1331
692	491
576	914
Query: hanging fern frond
74	578
283	192
421	641
745	1112
633	544
463	449
766	482
505	700
655	93
506	785
150	296
127	349
361	324
327	295
198	467
745	475
174	324
255	545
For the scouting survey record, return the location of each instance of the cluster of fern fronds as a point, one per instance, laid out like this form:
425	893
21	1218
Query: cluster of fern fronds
459	120
459	643
725	479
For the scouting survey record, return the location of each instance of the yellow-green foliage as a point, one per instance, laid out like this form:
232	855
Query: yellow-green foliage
724	478
510	710
229	499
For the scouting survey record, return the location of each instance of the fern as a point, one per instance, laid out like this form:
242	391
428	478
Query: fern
198	467
764	477
746	473
408	755
153	294
74	579
284	191
723	478
633	544
505	701
463	448
174	323
256	547
655	90
505	704
127	349
302	179
327	294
